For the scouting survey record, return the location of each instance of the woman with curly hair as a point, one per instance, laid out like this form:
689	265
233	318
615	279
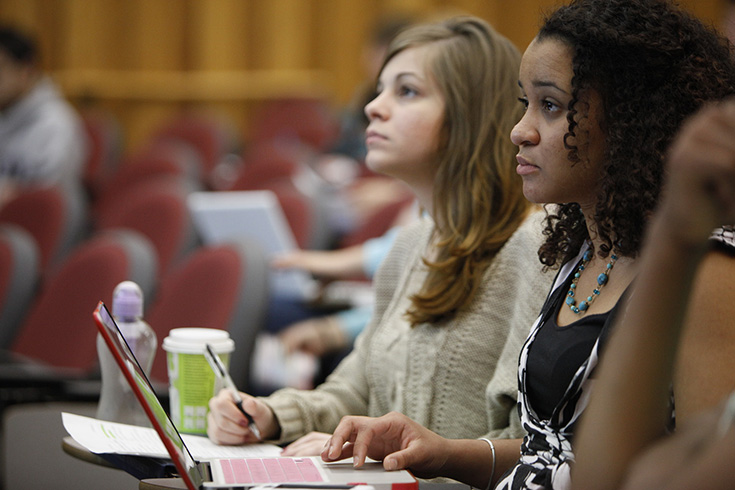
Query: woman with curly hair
606	85
457	293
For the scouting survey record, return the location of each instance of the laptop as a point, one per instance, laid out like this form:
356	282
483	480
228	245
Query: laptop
220	216
308	472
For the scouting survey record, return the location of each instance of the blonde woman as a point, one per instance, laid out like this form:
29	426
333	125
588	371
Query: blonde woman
457	294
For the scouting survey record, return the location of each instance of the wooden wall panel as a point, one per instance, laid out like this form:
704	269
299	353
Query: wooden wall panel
217	35
92	36
519	20
22	13
283	38
343	29
144	59
156	35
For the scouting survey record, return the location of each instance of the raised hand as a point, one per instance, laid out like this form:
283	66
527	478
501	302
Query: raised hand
700	191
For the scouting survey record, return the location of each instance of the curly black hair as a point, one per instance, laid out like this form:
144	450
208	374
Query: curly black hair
653	65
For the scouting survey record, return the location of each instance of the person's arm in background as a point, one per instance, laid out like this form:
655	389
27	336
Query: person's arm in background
344	263
628	409
330	333
288	413
705	366
325	334
361	260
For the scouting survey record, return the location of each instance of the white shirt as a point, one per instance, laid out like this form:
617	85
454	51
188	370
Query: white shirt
42	139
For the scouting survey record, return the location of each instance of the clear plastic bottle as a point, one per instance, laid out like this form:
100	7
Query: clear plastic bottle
117	401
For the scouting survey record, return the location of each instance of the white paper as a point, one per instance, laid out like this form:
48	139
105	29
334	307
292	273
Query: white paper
100	436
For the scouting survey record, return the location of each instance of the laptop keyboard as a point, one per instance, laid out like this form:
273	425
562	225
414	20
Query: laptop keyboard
270	470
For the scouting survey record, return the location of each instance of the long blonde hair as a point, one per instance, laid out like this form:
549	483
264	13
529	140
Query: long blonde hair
478	200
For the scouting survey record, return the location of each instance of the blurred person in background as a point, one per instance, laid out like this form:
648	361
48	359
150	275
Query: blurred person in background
42	138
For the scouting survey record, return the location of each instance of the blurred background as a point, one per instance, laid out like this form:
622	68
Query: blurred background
143	59
178	97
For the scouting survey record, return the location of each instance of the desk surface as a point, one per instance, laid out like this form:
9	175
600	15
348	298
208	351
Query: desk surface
161	484
177	483
73	448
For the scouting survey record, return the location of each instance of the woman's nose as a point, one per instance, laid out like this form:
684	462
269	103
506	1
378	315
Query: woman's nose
523	133
375	108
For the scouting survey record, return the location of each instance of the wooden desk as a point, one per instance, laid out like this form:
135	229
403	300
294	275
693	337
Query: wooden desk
73	448
161	484
177	484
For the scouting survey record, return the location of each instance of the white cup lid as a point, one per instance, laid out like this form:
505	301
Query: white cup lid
191	340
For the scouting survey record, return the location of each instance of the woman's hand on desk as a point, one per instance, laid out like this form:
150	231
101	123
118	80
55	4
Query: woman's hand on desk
309	445
393	438
227	425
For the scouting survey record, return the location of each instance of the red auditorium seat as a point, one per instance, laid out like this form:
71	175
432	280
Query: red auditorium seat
217	286
59	330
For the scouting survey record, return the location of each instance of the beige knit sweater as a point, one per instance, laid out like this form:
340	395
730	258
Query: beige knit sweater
458	378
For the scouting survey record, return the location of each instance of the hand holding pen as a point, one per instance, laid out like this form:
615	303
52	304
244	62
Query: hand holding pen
221	372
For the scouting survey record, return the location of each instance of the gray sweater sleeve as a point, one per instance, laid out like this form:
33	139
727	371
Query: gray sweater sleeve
473	388
346	390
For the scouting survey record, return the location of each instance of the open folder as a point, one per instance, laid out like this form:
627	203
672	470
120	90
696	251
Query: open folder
238	472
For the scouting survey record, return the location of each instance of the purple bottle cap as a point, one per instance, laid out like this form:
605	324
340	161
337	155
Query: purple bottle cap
127	301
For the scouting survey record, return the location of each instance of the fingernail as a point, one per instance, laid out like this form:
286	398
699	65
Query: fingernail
390	464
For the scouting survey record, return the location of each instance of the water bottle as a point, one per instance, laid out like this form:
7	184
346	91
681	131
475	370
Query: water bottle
117	401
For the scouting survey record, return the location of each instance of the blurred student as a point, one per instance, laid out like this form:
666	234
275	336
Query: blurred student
324	338
42	139
457	292
328	334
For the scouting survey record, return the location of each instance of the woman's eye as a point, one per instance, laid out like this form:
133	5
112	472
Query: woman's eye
549	106
523	101
405	91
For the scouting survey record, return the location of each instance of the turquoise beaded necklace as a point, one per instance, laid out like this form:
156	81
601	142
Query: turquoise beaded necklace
601	281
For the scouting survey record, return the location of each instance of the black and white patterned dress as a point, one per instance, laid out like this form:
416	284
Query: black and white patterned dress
546	452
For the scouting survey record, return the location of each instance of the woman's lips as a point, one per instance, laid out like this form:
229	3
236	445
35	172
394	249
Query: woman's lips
373	137
524	166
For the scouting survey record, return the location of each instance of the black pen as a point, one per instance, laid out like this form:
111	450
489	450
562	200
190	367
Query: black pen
219	369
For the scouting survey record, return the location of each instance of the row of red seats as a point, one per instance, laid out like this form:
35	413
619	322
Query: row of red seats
131	221
64	248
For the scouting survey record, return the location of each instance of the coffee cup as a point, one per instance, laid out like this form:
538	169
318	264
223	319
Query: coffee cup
191	379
